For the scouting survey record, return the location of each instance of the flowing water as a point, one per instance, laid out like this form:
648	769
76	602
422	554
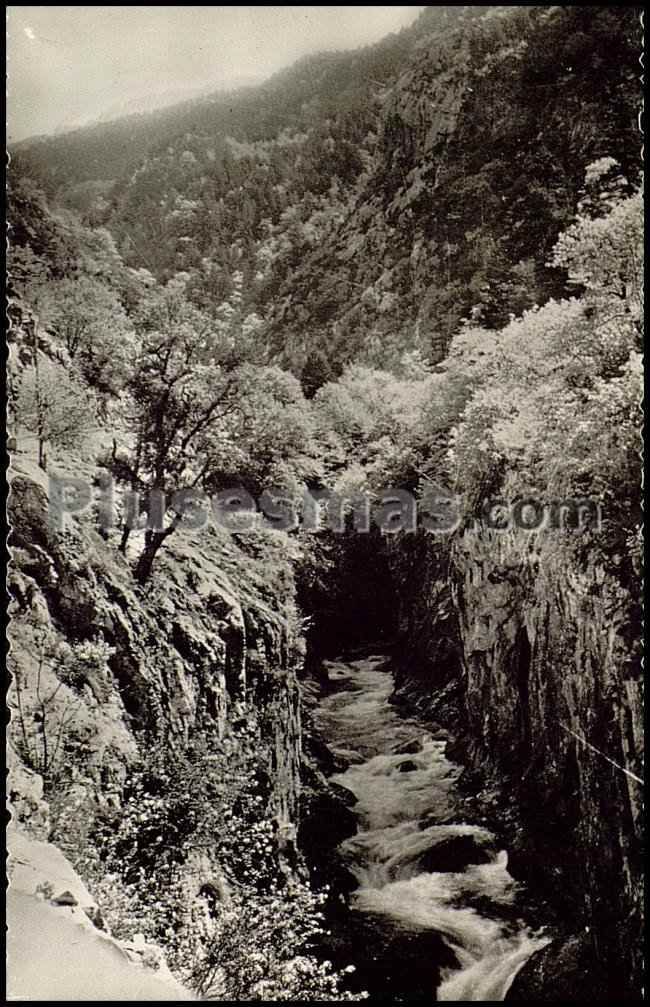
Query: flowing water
407	806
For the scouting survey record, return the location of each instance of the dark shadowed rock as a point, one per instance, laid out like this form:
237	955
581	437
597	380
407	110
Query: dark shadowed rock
392	963
407	767
326	760
344	795
65	899
327	822
454	855
94	914
566	972
471	780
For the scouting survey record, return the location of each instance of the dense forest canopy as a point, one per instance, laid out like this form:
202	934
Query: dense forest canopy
358	222
371	200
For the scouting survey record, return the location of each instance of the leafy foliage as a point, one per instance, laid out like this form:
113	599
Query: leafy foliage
180	813
54	405
200	412
89	319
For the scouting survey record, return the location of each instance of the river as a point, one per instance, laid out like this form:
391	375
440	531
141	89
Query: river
407	808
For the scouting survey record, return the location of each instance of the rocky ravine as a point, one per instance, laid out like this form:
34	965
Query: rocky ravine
527	657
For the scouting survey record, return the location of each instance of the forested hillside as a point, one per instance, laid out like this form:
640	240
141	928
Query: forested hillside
412	265
373	200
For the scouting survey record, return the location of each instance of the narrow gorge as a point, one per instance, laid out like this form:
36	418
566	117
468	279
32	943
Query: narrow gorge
484	813
325	514
465	863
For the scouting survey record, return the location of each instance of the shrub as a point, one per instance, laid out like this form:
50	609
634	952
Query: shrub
253	933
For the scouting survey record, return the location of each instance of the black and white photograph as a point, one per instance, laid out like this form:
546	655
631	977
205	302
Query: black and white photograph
324	449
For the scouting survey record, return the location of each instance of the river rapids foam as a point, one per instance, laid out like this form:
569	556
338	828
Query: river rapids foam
403	813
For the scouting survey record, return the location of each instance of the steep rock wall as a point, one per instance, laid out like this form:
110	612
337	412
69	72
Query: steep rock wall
531	657
209	643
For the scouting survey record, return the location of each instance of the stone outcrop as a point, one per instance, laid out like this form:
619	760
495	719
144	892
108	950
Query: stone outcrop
454	854
211	629
562	972
56	944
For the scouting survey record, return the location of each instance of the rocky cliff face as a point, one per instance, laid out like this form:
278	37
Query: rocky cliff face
103	670
531	656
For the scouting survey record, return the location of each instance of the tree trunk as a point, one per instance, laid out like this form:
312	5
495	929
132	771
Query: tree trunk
152	543
126	531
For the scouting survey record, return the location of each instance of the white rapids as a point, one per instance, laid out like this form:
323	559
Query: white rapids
359	723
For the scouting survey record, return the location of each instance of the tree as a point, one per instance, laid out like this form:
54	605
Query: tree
198	409
98	254
554	402
367	412
180	388
88	317
271	432
55	405
604	255
34	226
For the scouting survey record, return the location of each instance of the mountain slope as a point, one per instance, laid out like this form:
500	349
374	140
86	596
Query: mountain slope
479	165
372	200
316	84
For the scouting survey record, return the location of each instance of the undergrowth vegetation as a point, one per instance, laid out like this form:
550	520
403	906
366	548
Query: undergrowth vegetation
256	931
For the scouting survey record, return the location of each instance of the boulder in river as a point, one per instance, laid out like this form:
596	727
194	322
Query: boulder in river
392	963
326	759
344	795
408	766
347	757
326	822
454	854
566	971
